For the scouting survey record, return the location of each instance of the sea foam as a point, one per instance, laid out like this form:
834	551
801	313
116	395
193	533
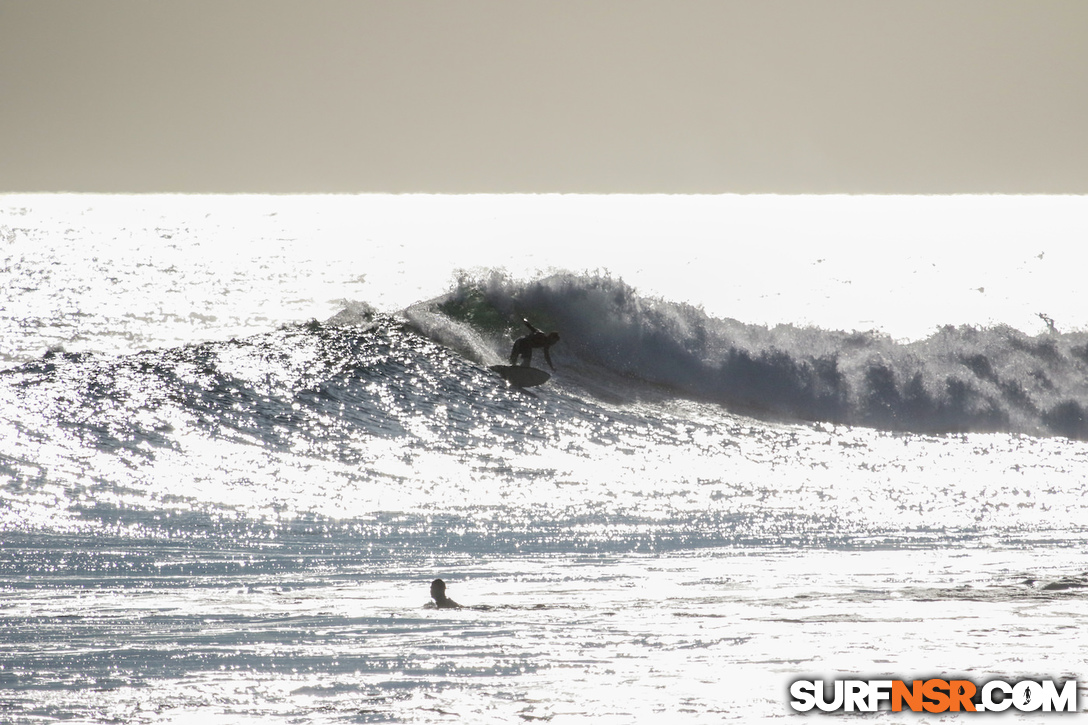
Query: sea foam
961	378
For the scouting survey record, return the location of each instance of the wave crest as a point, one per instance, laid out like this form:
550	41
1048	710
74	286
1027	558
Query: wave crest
959	379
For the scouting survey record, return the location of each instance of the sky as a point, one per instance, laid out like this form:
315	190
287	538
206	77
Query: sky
520	96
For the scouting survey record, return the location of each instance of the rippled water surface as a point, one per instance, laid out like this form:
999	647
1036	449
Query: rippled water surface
227	480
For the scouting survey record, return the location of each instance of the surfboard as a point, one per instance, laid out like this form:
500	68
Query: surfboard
521	377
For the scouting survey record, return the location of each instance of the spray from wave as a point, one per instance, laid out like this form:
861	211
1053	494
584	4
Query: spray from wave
957	380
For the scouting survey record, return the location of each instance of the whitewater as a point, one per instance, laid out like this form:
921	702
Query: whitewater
785	438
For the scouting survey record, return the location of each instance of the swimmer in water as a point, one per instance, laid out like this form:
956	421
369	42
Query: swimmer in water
438	593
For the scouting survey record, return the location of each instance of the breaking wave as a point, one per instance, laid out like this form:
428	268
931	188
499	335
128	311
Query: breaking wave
959	379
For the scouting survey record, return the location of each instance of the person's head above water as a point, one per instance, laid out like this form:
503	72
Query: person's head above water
438	593
553	337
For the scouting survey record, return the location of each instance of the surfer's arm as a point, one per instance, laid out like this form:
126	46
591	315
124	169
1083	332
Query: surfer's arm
548	358
529	325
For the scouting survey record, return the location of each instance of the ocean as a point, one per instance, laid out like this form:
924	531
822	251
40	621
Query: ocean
785	438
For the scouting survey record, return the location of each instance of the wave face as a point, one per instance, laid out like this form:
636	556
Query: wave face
392	424
959	379
362	419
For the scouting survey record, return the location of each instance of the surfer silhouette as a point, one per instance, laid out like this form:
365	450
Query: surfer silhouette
438	593
524	346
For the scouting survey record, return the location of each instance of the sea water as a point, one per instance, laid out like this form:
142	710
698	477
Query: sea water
785	437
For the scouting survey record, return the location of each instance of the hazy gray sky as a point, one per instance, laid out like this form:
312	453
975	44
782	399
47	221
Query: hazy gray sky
861	96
